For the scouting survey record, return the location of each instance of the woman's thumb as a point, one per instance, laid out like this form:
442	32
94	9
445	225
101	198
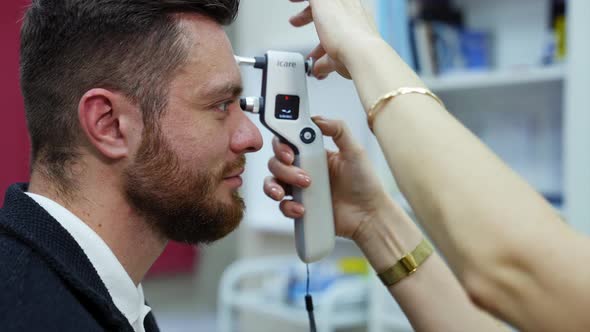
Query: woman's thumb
339	132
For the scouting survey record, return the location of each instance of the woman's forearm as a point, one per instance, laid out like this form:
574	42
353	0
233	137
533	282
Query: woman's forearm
431	298
486	220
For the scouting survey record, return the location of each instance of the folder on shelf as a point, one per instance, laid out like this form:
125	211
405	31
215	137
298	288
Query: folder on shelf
393	22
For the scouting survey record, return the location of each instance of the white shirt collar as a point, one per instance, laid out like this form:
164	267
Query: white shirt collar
128	298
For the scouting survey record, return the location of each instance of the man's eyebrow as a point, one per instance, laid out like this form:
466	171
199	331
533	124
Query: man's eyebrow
232	89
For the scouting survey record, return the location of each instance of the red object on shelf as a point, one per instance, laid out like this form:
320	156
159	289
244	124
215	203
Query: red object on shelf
176	259
14	141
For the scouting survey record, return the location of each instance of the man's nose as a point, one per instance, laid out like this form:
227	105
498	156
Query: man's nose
247	137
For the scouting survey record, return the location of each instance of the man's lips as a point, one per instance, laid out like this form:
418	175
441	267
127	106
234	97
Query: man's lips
235	174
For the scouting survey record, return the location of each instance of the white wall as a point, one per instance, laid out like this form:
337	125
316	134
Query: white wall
577	117
263	24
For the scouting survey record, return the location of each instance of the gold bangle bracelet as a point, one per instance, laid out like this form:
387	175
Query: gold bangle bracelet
407	264
377	106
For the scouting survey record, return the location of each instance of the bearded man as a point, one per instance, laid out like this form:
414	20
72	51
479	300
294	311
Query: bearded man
137	139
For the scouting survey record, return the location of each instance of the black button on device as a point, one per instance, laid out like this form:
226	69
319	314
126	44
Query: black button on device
307	135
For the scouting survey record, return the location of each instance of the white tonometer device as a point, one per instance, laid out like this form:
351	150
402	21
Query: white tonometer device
284	110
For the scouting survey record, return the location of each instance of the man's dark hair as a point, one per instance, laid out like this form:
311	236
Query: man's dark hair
71	46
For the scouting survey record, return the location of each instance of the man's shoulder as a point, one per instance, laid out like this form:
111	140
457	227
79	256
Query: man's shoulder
46	281
15	257
22	270
34	297
21	262
18	260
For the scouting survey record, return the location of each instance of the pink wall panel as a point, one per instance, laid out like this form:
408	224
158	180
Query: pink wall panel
14	146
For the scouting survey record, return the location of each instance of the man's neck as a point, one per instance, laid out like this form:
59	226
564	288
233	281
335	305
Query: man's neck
107	212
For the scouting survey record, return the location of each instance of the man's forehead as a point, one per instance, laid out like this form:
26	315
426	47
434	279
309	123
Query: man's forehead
204	37
210	60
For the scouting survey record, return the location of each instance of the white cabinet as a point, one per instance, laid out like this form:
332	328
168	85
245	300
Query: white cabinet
576	118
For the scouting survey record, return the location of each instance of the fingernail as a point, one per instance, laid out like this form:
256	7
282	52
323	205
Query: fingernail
299	210
275	193
304	180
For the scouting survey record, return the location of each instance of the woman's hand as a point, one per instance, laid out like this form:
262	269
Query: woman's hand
342	26
357	193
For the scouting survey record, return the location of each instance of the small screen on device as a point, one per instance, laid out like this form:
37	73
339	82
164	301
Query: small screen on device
287	107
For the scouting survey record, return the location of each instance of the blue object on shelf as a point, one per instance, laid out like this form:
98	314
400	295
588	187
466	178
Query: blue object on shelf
555	199
298	288
475	46
448	51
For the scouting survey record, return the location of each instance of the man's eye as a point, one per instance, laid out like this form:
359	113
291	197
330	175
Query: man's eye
225	106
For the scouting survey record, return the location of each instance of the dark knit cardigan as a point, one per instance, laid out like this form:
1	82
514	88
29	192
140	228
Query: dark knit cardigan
47	282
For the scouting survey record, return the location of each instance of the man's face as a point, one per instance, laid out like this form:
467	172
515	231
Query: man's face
185	175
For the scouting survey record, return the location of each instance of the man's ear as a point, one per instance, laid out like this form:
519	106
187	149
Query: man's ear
108	119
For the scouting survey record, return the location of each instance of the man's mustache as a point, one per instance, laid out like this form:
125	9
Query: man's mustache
234	166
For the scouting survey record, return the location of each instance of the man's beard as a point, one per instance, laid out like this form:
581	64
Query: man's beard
178	203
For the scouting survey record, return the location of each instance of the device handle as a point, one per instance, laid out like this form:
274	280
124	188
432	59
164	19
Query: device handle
314	232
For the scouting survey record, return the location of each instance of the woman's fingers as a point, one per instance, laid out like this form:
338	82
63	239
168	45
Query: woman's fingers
317	52
290	175
323	64
303	18
339	132
292	209
323	67
283	152
275	191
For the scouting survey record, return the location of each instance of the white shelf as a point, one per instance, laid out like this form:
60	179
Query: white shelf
487	79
